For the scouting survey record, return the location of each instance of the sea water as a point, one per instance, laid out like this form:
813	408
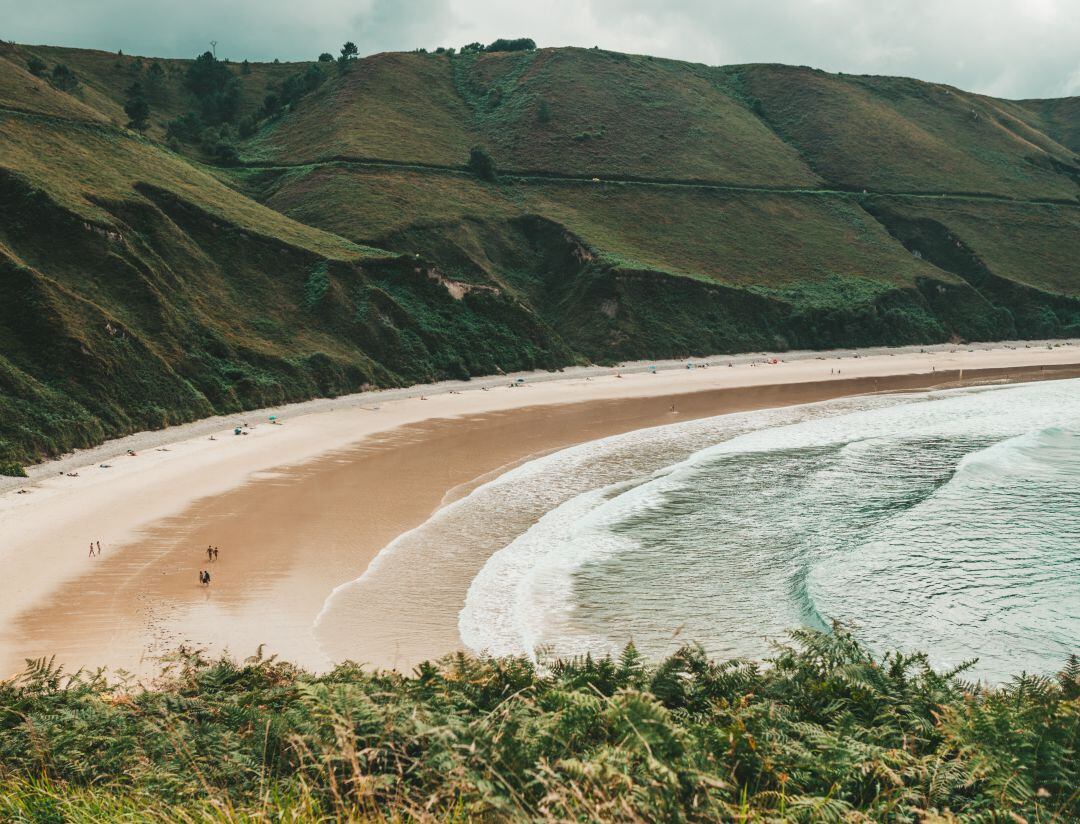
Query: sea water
944	521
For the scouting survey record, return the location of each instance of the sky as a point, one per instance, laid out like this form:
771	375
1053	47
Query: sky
1006	48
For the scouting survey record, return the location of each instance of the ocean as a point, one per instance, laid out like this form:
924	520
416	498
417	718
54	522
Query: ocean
944	521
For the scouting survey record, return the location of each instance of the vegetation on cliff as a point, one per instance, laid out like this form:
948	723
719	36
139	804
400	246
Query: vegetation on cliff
164	224
824	732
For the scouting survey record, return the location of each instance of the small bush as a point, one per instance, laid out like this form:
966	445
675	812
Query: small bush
12	469
481	164
64	78
36	66
316	286
349	52
519	44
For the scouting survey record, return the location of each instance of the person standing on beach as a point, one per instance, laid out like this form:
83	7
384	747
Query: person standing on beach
98	547
91	549
215	553
209	552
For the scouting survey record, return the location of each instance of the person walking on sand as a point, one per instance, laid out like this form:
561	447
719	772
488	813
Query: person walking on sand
206	577
91	549
98	547
215	553
209	552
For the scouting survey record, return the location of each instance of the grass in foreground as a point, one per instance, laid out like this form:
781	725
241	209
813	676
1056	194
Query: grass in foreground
826	732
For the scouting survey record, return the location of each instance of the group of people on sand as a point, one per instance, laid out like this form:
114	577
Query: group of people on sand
95	548
204	574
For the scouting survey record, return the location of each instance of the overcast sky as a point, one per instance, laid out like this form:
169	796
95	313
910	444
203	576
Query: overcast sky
1009	48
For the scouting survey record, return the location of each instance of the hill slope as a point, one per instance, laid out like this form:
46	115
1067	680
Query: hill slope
644	208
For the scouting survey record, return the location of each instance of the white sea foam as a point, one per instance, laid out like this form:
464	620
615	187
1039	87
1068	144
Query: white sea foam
804	516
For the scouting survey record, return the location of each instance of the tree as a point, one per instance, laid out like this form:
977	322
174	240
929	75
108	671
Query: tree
138	112
326	57
154	82
519	44
481	164
64	78
348	54
472	48
36	66
215	88
136	107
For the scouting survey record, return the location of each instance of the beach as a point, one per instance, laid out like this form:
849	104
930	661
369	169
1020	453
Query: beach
302	505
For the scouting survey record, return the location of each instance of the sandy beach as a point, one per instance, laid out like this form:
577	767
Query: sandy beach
301	506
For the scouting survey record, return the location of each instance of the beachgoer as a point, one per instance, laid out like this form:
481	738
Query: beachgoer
209	552
206	577
202	577
91	549
98	547
215	553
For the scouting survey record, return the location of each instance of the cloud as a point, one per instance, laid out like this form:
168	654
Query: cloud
1011	48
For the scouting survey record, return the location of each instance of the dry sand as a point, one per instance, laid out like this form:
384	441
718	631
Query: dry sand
299	508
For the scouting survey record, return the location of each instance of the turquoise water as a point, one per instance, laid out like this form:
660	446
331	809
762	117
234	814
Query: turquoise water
944	521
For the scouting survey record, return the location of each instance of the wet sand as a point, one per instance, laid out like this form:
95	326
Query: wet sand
291	527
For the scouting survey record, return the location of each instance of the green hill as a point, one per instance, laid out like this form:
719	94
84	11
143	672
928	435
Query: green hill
279	231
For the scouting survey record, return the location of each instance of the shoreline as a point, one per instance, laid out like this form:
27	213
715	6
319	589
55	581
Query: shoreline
295	487
156	438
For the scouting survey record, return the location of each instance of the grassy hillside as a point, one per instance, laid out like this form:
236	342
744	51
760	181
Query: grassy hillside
141	291
826	732
1058	118
902	135
105	77
310	228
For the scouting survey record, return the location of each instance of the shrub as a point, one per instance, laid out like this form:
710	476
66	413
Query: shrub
826	732
519	44
316	286
481	164
326	57
12	469
349	51
138	112
214	88
186	128
64	78
155	80
36	66
291	90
